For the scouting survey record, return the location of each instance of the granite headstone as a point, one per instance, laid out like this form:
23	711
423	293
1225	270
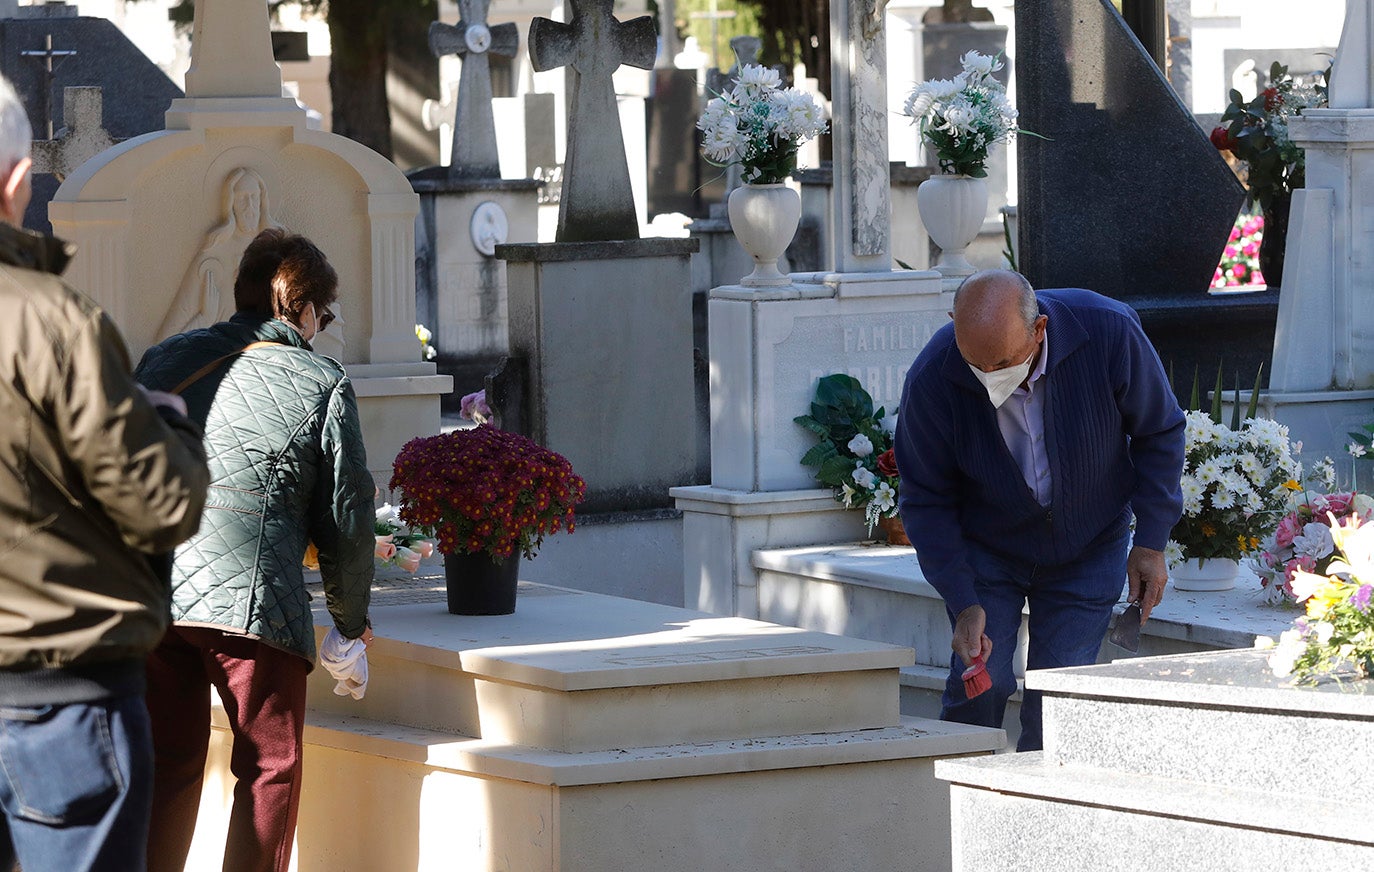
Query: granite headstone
1125	195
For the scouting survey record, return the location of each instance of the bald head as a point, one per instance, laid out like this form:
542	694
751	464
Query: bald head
997	322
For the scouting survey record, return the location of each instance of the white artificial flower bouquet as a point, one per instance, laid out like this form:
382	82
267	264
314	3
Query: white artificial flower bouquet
759	125
961	119
1235	487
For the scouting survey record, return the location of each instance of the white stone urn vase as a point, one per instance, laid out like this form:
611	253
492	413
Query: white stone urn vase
764	219
1205	573
952	209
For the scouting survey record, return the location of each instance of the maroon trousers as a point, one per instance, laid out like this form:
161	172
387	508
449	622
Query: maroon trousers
263	692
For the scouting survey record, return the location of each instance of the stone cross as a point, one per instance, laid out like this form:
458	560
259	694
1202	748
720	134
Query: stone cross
82	138
597	203
861	204
45	58
474	129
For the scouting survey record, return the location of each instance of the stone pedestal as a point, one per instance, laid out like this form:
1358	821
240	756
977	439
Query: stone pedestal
460	286
1178	763
768	350
606	331
588	732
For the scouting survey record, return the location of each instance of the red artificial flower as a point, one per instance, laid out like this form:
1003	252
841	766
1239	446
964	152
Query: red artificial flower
1273	99
1221	138
887	462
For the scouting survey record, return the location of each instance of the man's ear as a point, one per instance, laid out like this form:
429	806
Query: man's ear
9	196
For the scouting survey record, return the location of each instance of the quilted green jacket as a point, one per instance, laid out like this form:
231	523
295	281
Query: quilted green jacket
287	467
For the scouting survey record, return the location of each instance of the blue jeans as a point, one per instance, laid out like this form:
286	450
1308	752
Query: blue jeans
76	786
1070	607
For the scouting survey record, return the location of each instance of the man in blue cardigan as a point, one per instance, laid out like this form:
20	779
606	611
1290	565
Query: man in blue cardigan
1031	430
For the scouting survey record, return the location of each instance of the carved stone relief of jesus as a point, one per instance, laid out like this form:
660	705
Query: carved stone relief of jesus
206	294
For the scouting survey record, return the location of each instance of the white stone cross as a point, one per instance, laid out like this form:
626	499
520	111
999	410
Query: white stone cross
474	128
597	203
82	138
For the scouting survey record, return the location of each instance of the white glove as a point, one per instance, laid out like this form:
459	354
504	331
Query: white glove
346	662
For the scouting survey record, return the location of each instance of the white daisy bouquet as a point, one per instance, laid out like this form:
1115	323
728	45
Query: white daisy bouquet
961	119
1236	486
759	125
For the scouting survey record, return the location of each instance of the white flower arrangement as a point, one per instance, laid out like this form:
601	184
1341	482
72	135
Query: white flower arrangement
1235	485
759	124
961	119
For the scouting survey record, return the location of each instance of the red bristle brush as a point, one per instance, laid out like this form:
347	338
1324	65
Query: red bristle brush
976	678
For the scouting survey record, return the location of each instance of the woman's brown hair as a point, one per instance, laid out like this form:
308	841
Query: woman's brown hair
281	273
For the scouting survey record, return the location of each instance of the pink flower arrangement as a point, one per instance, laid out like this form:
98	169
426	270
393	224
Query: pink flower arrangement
1303	542
485	490
1239	265
396	545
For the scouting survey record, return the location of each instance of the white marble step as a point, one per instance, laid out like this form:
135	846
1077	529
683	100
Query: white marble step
1028	812
1218	717
574	671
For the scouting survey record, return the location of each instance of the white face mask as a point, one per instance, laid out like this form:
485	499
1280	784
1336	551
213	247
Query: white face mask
1001	383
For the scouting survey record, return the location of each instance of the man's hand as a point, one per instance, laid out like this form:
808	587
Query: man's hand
969	638
1146	575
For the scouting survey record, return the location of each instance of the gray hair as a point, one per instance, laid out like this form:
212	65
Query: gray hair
16	135
1027	305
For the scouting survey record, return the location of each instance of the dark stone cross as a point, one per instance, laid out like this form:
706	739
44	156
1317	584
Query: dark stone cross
45	58
597	203
474	129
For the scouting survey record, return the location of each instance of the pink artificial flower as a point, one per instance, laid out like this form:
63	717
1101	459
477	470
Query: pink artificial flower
1239	270
425	547
1289	527
1305	563
1257	277
473	407
1250	249
1253	226
1338	504
407	559
1235	234
1230	252
385	549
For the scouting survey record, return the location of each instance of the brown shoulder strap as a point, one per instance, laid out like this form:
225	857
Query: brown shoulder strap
214	364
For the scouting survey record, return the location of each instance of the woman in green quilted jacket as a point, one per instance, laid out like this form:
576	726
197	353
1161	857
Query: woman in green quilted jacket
287	468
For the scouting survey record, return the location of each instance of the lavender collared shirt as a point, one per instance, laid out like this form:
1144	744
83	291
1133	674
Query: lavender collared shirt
1022	422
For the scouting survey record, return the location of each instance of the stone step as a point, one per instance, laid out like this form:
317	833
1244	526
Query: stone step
863	799
1029	812
1217	718
575	672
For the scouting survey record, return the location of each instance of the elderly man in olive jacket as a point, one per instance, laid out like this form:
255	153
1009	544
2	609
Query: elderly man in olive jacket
96	478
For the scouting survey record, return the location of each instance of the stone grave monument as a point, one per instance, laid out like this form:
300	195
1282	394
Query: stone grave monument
467	209
1202	762
770	346
48	49
586	732
81	137
1127	197
1322	384
161	219
600	310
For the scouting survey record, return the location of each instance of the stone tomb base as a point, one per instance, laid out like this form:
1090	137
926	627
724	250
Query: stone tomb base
1197	762
586	732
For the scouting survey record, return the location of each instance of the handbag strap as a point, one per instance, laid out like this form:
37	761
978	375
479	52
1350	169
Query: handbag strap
214	364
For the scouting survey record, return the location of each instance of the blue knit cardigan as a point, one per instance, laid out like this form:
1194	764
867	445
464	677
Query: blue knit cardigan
1114	434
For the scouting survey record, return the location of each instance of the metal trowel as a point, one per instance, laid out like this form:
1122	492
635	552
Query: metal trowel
1126	632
